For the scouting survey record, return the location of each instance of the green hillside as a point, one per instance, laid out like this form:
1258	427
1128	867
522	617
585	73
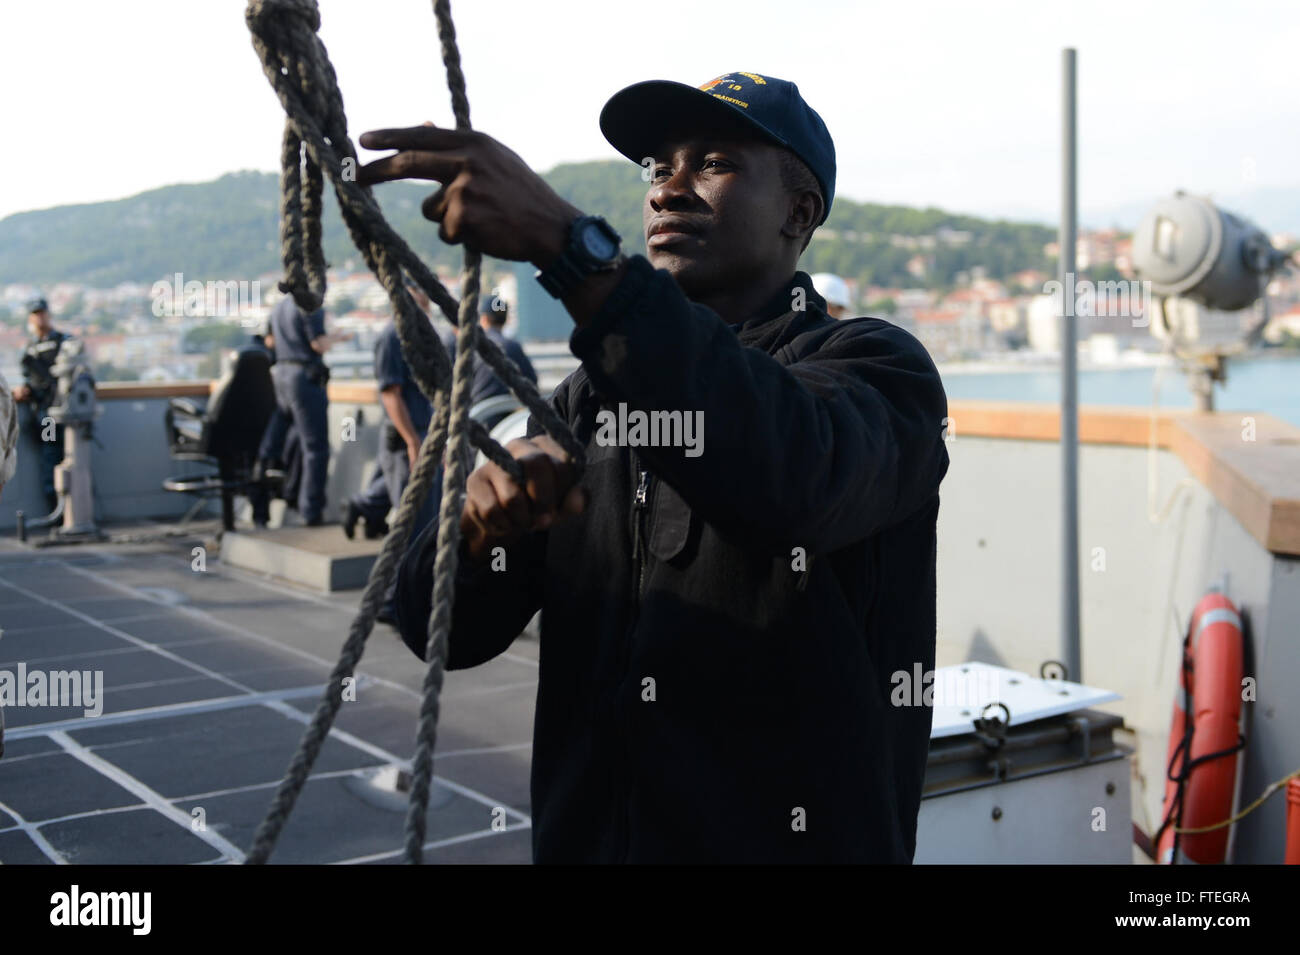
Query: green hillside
228	229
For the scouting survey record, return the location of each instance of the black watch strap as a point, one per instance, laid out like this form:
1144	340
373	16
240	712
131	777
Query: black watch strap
561	276
576	262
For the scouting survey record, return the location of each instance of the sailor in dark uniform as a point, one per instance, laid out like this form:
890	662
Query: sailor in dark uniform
407	414
39	389
300	375
493	313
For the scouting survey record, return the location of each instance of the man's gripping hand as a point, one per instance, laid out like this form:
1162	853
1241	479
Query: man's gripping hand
498	511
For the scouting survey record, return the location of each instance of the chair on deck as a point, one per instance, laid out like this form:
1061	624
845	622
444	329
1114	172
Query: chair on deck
225	433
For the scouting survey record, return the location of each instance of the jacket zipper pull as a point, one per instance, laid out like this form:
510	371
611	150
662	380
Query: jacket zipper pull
638	506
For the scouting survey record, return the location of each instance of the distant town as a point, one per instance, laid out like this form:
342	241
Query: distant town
174	329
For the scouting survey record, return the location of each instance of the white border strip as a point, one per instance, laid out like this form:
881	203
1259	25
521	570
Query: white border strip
33	832
468	837
153	799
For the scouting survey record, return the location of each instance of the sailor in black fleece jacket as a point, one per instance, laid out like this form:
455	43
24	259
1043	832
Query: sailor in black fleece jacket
721	620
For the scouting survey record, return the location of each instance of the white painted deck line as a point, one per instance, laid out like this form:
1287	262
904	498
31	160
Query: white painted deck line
206	617
240	574
332	774
253	787
150	797
484	750
122	634
34	834
88	814
89	654
23	631
453	840
393	758
273	700
163	711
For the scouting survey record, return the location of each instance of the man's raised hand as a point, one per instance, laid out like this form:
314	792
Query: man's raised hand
489	200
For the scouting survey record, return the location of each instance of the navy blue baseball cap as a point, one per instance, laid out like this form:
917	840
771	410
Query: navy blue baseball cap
637	119
38	305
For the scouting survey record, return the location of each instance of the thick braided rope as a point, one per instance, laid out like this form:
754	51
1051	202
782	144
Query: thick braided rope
304	275
296	63
381	575
446	558
433	372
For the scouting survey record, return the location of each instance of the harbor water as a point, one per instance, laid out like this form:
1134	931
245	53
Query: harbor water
1269	384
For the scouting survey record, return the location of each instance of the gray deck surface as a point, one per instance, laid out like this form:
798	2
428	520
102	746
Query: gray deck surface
209	680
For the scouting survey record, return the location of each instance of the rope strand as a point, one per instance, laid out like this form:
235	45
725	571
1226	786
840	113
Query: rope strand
316	144
453	491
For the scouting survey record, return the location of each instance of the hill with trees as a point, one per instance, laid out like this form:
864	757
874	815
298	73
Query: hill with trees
228	229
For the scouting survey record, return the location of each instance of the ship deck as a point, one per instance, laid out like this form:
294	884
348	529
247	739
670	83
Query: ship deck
209	679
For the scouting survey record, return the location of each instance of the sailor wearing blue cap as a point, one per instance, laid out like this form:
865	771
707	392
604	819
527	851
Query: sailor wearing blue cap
723	611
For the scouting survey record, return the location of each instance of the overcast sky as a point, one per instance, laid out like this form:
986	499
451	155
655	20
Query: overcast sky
952	104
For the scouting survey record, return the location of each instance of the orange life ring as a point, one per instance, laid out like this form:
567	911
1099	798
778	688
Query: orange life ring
1212	673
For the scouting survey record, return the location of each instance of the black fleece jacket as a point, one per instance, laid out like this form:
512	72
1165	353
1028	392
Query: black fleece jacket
715	664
